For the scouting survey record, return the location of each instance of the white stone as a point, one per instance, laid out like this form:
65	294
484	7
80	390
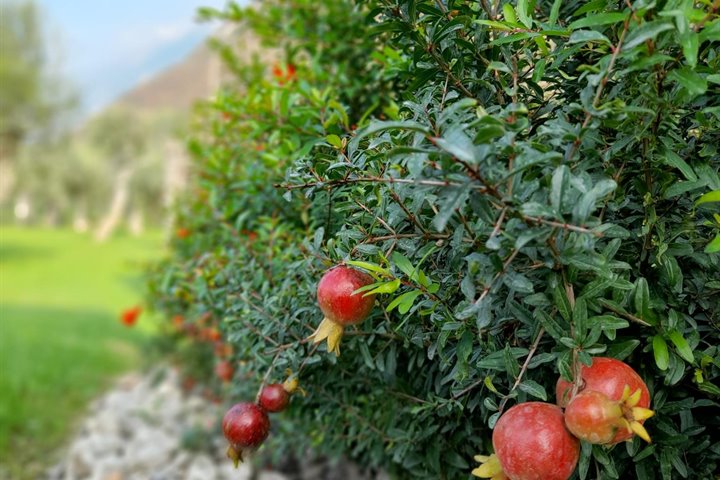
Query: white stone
202	468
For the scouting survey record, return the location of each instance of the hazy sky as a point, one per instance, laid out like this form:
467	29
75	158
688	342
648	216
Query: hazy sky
107	46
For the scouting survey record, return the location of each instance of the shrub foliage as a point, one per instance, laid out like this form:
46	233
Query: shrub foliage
530	183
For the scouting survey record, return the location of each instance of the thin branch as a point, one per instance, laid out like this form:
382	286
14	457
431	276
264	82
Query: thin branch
603	82
377	217
266	376
627	315
497	275
564	226
409	214
524	368
346	181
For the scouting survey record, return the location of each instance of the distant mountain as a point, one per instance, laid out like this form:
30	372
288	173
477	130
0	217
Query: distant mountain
197	76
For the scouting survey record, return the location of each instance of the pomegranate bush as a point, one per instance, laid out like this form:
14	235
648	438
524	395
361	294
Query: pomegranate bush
526	185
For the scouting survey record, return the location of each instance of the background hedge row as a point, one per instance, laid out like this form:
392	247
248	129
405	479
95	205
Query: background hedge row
531	183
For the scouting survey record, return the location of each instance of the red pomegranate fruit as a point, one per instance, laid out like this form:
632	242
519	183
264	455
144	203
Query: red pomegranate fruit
619	383
274	398
339	305
246	426
531	443
608	376
224	371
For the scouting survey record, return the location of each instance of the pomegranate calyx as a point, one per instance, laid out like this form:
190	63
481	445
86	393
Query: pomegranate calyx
292	383
640	431
235	454
331	331
640	413
490	468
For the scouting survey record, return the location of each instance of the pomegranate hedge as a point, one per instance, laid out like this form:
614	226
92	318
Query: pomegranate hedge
530	185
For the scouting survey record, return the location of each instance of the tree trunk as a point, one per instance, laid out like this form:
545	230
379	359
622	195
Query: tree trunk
117	206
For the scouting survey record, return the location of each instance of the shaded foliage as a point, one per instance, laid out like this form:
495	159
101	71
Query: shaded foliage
523	182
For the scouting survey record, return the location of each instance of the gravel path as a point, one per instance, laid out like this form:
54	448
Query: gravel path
137	431
148	428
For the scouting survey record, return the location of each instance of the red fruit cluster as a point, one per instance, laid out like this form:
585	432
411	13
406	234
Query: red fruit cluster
246	425
610	406
538	441
129	316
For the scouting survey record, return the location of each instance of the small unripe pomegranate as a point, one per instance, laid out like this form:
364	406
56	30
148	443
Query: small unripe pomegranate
274	398
245	426
339	305
531	443
619	383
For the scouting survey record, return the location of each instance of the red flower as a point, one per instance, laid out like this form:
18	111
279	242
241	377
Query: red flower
129	316
182	233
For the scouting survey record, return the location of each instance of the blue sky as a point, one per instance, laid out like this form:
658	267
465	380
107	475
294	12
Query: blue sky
107	46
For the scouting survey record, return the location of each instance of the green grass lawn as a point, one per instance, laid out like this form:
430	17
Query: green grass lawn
61	342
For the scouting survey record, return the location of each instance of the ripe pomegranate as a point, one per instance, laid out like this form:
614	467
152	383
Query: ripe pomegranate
274	398
129	316
593	417
224	371
531	443
608	376
619	383
340	307
245	426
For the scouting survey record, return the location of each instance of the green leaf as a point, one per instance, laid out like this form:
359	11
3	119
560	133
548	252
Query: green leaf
660	350
709	197
642	299
673	159
534	389
555	12
499	67
682	346
523	13
456	142
515	37
598	20
690	44
580	318
690	81
562	302
495	25
455	198
403	263
583	36
714	245
375	288
404	302
647	31
509	13
679	188
334	140
369	266
560	184
622	350
551	325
